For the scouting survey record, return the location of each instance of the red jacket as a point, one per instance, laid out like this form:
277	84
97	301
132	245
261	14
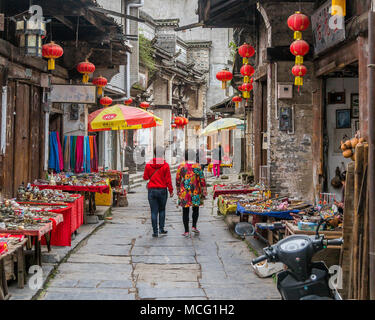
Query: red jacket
162	178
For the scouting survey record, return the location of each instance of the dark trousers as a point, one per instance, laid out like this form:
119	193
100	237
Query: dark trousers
185	217
158	200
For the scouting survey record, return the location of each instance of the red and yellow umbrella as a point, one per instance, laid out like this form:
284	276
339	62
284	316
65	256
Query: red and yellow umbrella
121	117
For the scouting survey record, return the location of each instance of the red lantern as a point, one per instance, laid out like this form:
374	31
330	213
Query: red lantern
224	76
237	100
174	126
85	68
299	72
100	82
144	105
298	22
247	71
240	88
178	121
105	101
52	51
128	102
246	51
247	87
185	121
299	48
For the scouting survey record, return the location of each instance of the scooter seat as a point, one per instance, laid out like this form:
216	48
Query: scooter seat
315	297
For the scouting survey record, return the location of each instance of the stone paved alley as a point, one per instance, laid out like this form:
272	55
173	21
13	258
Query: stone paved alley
121	260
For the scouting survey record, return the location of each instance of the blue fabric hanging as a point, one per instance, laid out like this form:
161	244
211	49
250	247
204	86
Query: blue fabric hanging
87	154
53	161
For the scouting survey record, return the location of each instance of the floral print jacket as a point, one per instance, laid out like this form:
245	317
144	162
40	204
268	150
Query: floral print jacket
191	185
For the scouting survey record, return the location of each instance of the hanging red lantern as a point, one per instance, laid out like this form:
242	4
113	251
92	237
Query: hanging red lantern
85	68
299	48
247	87
224	76
185	121
106	101
246	51
128	102
247	71
299	71
52	51
144	105
298	22
174	126
100	82
178	121
237	100
240	88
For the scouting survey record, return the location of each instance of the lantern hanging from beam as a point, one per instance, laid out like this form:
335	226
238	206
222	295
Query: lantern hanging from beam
247	71
30	32
237	100
247	87
85	68
52	51
298	22
106	101
299	48
128	102
246	51
144	105
224	76
338	8
100	82
299	71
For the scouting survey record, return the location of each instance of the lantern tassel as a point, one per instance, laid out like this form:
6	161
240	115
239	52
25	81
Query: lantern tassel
85	78
298	81
245	60
297	35
299	60
223	85
246	79
100	91
51	64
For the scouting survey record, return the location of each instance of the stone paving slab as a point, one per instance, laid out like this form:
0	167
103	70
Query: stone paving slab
172	292
88	294
97	258
163	259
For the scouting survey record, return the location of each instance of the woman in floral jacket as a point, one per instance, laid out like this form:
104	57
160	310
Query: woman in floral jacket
191	189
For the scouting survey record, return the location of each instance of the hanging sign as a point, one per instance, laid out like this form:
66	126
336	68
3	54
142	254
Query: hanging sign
327	30
73	94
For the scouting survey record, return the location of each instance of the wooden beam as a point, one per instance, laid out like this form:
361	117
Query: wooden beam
117	14
65	21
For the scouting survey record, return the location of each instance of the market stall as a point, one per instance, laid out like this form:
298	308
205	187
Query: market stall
11	250
232	188
227	204
86	184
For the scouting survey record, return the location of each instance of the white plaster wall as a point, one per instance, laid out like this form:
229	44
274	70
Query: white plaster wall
350	85
220	52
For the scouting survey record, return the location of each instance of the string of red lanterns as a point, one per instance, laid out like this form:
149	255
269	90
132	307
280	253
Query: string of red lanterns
246	51
179	122
299	22
224	76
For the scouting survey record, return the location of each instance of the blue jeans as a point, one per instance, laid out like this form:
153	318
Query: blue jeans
157	198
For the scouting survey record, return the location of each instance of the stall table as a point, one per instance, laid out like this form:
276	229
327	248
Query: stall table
17	251
87	191
35	235
221	190
293	229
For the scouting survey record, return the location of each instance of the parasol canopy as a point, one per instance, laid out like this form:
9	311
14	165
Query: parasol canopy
225	123
121	117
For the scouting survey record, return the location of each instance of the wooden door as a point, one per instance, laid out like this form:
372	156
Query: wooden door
21	135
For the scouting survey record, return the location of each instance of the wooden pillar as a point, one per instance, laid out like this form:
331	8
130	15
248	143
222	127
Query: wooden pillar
257	129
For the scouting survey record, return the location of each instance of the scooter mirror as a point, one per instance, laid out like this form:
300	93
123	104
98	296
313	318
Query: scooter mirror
244	229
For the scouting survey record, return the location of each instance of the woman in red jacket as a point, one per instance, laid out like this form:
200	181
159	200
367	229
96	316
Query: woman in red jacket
159	175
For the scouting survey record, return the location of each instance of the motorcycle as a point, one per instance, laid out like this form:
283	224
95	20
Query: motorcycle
302	279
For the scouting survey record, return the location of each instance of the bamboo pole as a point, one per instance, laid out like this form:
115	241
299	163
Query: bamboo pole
358	171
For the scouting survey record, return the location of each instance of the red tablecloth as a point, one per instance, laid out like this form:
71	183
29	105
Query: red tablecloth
99	189
218	191
39	231
73	219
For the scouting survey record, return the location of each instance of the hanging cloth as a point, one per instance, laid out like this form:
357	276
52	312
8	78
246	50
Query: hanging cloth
95	166
79	154
67	153
59	149
91	139
88	155
73	142
53	160
84	155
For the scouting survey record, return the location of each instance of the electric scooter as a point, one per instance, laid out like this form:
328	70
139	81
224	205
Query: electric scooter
303	279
